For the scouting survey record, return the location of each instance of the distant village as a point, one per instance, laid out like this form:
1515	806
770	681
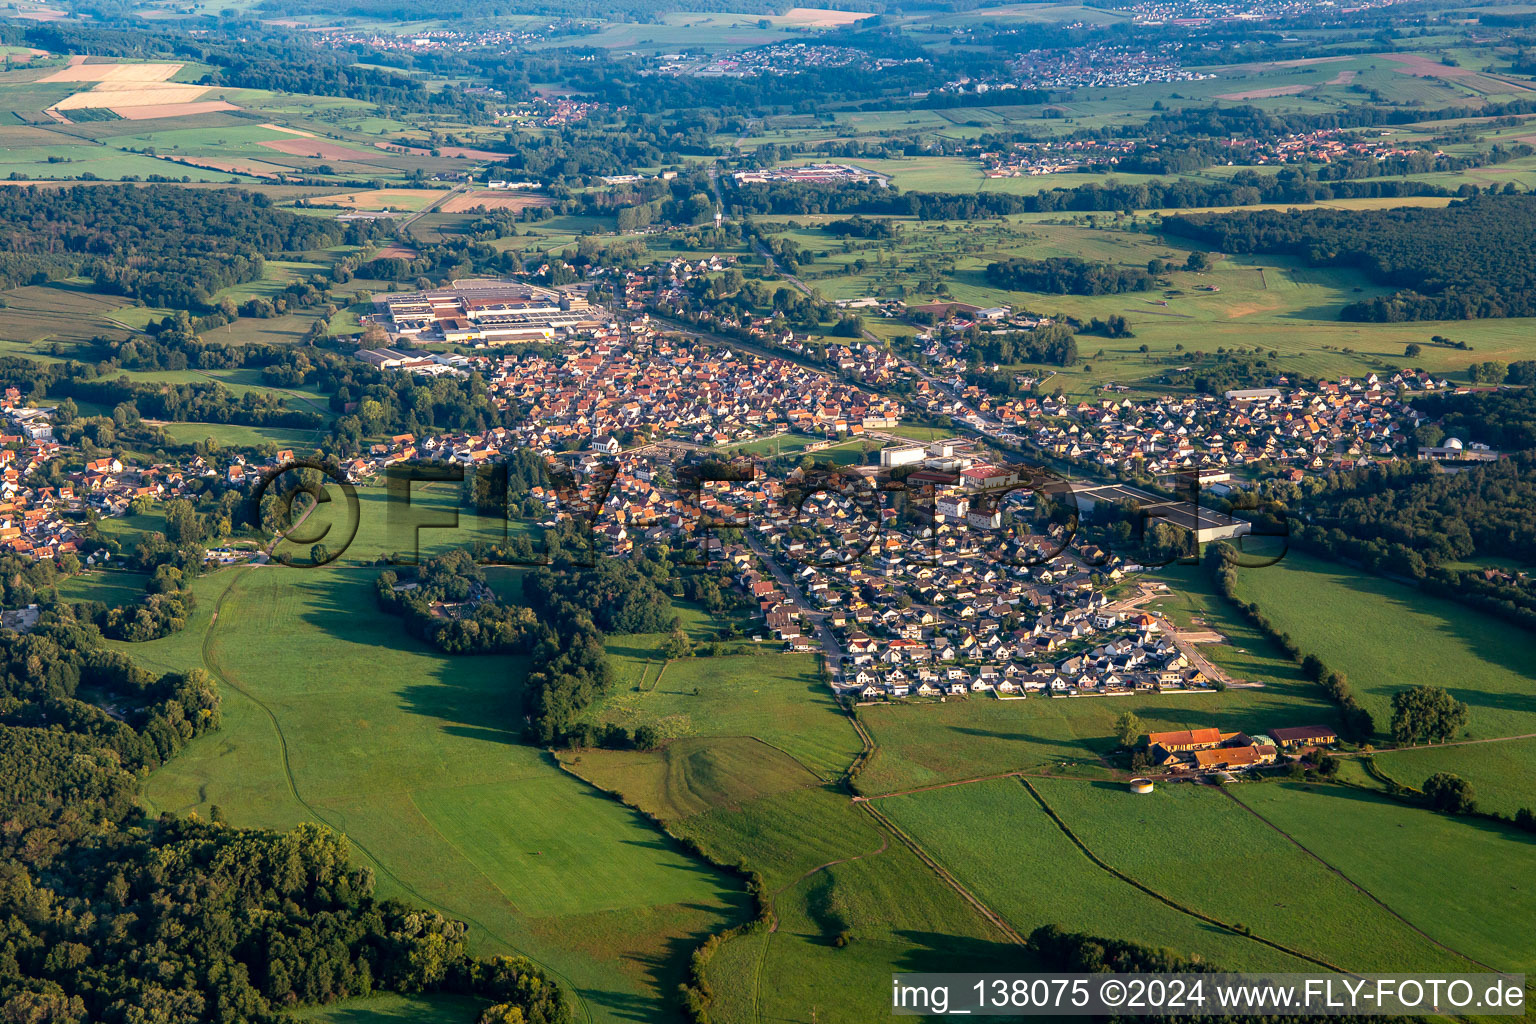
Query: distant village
958	590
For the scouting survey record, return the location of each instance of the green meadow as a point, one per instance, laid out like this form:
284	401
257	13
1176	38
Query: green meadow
1464	882
331	714
849	904
1386	636
1498	772
391	1008
980	833
1239	870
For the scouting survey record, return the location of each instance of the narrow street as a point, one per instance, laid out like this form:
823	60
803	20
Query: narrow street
818	619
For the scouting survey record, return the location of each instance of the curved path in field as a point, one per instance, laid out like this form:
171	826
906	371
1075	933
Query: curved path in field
1354	884
216	669
1167	901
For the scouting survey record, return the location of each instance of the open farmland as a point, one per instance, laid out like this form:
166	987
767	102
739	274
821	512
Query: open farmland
1240	870
487	199
278	764
117	73
966	827
1386	636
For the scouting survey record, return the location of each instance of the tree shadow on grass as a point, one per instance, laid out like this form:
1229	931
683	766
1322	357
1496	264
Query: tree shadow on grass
1351	797
1458	624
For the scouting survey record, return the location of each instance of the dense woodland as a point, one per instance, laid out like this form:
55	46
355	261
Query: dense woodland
1503	420
1471	259
167	246
1413	520
106	916
1067	275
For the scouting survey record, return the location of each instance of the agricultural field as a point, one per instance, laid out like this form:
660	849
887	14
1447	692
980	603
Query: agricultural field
1478	913
970	830
1385	636
1240	871
428	781
829	871
778	699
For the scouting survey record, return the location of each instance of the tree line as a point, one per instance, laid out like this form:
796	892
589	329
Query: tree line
1474	258
166	246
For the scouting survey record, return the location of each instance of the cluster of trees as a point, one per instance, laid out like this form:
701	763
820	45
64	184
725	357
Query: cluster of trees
1505	420
1067	275
862	227
451	607
164	245
1474	258
1449	794
161	613
1408	519
1426	714
1112	326
1357	725
1053	343
576	608
1426	517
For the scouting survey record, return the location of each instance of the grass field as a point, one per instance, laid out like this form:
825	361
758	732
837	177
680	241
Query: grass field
974	830
414	756
829	871
61	311
1466	883
776	698
1499	772
235	435
390	1008
1239	871
1385	636
111	586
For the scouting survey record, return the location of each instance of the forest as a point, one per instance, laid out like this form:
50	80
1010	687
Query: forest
1472	259
1503	420
1067	275
167	246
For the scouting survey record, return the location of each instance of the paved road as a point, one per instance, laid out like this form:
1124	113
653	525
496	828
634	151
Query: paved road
818	619
434	204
